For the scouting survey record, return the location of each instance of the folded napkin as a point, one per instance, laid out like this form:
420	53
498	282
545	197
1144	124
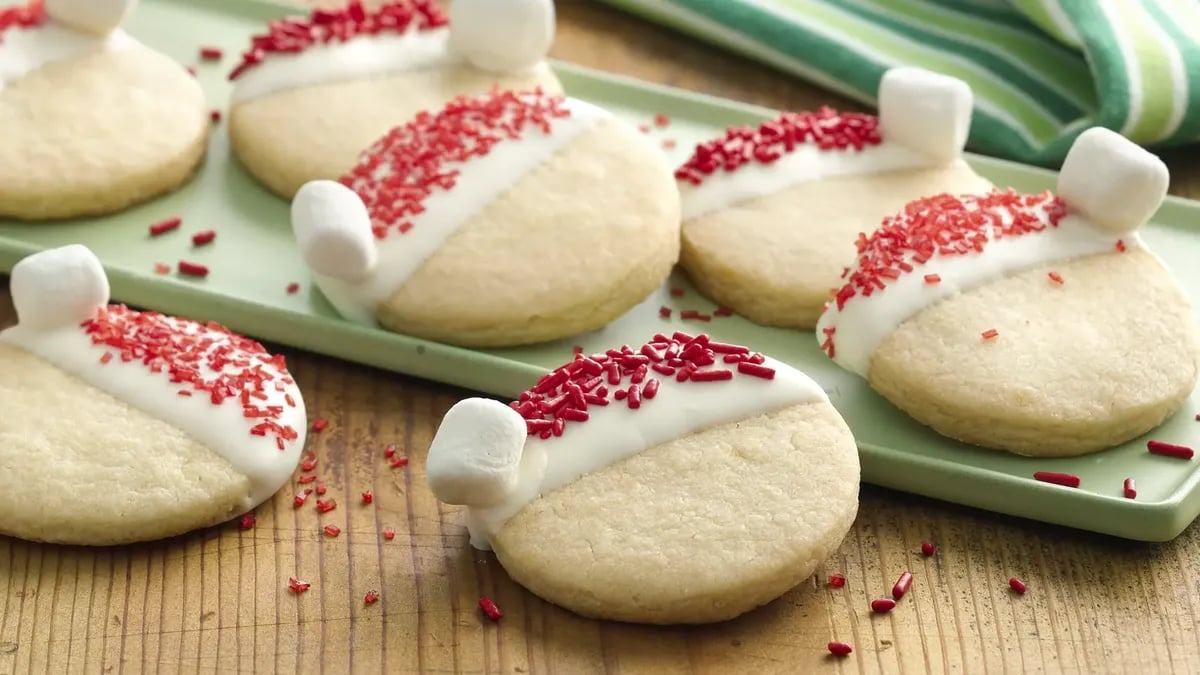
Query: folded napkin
1042	70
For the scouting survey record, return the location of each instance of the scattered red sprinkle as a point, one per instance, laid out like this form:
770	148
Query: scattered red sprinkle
644	128
160	268
248	521
668	143
1170	449
28	15
691	314
840	649
396	175
677	292
294	34
164	226
320	424
1130	489
368	497
389	451
306	478
309	463
928	549
292	288
723	311
211	53
661	120
990	334
902	585
883	605
332	530
301	497
1016	584
827	346
326	505
929	279
298	585
1198	417
1121	245
192	269
490	609
1056	278
389	533
837	580
1065	479
399	462
191	70
321	489
664	312
371	598
214	115
202	238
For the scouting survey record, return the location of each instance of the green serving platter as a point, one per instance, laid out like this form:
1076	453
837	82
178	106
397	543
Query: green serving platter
254	260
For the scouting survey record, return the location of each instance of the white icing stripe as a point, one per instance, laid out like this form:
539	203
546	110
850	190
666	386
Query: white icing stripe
614	432
480	181
806	163
865	321
222	428
360	57
24	50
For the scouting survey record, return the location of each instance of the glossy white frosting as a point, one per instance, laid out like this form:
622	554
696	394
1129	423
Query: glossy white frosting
222	428
480	181
614	432
24	50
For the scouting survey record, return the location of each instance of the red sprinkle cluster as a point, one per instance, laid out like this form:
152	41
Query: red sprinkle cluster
206	359
395	176
29	15
295	34
826	127
630	375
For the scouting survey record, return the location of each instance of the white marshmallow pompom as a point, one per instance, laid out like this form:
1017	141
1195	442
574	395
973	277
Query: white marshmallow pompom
1114	183
58	287
507	36
476	453
925	111
333	230
99	17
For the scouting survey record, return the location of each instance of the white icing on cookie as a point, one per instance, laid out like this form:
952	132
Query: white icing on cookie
53	333
612	433
358	290
24	50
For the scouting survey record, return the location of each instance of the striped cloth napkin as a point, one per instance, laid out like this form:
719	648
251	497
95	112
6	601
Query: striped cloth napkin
1042	70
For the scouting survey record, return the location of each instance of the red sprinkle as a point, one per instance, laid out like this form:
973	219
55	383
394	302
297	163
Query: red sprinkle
202	238
389	533
677	292
1130	489
1065	479
756	370
927	549
837	580
321	489
691	314
192	269
320	424
990	334
298	585
668	143
664	312
191	70
644	128
1170	449
902	585
301	497
211	53
160	268
1016	584
399	462
306	478
292	288
164	226
490	609
1056	278
332	530
326	505
368	497
389	452
396	175
929	279
371	598
29	15
248	521
309	463
883	605
723	311
661	120
214	115
839	648
1121	245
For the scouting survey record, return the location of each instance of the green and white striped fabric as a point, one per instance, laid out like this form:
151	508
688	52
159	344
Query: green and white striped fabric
1042	70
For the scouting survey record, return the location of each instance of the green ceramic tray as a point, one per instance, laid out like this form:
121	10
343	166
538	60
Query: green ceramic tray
254	260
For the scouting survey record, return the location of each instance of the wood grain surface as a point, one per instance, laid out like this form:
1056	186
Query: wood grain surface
217	601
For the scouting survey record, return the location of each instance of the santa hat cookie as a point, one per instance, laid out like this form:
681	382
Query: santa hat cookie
1038	324
93	121
621	473
312	91
504	219
769	211
119	426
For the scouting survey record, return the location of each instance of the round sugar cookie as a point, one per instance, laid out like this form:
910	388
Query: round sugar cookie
94	122
1038	324
683	481
314	91
119	426
770	214
505	219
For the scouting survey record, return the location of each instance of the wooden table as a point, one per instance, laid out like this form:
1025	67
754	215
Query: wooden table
217	601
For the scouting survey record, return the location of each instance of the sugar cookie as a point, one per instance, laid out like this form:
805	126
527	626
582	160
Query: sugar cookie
1038	324
684	481
119	426
94	121
314	91
770	213
504	219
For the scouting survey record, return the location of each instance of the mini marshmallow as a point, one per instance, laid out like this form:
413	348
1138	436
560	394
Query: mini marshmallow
502	35
925	111
475	457
99	17
333	229
1115	184
58	287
